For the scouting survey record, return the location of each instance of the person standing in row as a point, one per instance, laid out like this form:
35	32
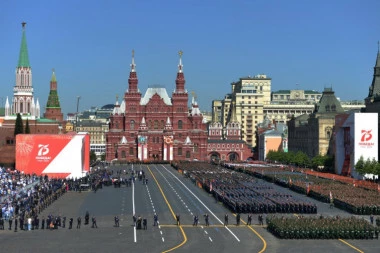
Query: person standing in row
94	222
71	223
249	219
145	223
206	220
116	221
226	220
195	223
238	219
155	218
178	220
79	221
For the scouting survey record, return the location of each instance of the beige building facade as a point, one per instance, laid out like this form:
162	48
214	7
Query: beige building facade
254	100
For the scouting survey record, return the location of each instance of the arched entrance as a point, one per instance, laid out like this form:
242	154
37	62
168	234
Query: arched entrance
233	156
214	156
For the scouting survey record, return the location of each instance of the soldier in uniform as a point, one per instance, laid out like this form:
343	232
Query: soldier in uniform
116	221
195	223
238	219
226	220
10	222
94	222
43	223
206	220
155	218
178	220
145	223
249	219
86	218
71	223
16	221
79	221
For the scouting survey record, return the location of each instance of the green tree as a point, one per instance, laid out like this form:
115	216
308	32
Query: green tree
367	166
92	155
377	169
318	161
27	128
373	166
359	166
19	127
103	157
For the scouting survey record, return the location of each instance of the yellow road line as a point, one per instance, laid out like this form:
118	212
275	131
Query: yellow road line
258	235
211	226
352	246
171	210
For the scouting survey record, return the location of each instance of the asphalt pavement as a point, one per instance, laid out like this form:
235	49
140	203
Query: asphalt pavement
168	194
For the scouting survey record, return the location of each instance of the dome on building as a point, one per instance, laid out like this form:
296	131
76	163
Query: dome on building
108	107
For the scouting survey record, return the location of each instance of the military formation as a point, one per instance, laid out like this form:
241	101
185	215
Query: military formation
243	193
320	227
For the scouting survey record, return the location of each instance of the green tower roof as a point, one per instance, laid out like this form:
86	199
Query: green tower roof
23	60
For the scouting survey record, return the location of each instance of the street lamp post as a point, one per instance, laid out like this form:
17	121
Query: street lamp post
76	117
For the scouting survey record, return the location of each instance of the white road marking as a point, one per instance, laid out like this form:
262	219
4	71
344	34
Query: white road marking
210	238
206	232
200	201
133	209
163	239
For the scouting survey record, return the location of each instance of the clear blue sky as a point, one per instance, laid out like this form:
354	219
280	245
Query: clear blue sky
315	44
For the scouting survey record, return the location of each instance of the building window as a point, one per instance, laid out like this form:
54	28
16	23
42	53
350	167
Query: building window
187	154
156	124
179	151
180	124
132	124
131	152
123	155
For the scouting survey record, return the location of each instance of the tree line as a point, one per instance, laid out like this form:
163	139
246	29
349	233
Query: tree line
367	166
301	159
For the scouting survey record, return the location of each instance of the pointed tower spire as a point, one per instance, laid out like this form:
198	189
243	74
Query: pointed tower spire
23	60
23	90
180	66
53	99
133	81
7	107
168	125
143	125
180	81
53	107
133	65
